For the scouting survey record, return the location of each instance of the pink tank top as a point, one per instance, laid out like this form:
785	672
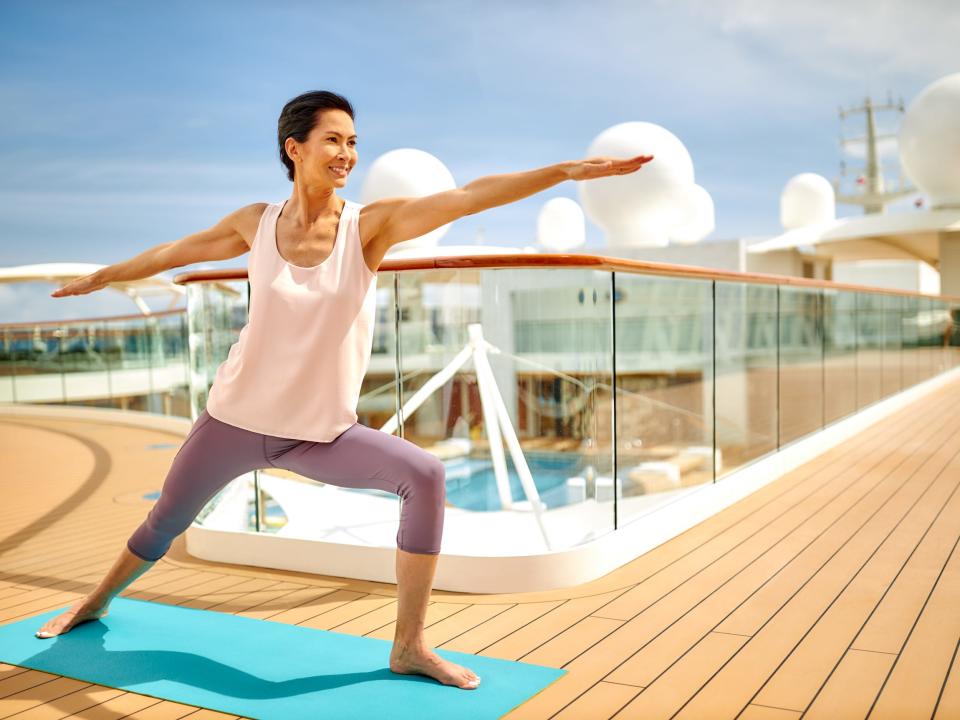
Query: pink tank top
296	369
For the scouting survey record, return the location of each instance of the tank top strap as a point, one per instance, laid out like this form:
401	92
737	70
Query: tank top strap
260	253
353	249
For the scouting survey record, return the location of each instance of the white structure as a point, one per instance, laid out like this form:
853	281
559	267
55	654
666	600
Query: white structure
930	142
61	273
639	209
407	172
807	199
912	244
697	217
911	275
561	225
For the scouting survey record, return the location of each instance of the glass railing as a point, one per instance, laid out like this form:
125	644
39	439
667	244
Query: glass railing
131	362
574	398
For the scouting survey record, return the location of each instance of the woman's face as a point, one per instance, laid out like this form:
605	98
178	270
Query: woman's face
332	144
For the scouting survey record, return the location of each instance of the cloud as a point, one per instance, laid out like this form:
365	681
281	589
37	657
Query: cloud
100	173
849	38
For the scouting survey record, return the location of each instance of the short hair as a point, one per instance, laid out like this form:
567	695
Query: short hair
300	115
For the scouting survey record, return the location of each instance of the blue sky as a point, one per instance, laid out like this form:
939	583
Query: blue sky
129	124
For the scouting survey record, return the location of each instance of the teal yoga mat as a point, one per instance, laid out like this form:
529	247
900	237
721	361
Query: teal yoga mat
261	669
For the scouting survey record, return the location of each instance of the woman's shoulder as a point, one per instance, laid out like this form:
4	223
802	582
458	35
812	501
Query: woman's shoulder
246	220
254	211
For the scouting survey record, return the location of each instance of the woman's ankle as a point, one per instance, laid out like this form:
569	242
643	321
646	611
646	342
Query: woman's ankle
95	601
403	646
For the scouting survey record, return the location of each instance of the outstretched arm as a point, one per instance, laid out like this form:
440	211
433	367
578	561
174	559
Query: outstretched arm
222	241
399	219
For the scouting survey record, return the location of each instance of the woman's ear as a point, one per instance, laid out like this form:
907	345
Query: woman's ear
293	152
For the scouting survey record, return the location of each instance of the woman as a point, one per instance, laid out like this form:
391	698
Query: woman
287	393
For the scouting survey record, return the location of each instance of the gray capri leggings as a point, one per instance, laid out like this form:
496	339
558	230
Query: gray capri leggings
215	452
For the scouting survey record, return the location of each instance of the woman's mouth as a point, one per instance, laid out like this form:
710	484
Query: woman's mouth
338	171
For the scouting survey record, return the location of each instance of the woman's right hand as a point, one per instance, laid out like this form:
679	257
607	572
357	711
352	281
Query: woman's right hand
81	286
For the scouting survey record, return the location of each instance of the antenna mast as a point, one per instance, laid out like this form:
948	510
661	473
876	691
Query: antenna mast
874	196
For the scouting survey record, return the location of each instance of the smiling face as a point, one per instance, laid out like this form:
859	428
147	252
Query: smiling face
329	152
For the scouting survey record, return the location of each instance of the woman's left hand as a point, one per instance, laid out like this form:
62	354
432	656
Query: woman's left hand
597	167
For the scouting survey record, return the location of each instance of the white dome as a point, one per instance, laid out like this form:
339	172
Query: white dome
807	199
697	217
930	141
561	225
639	209
407	172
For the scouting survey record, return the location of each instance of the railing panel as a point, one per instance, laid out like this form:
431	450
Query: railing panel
664	380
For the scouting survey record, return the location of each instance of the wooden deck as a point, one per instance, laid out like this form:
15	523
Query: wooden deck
830	593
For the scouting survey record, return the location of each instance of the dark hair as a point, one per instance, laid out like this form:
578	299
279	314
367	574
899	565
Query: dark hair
300	115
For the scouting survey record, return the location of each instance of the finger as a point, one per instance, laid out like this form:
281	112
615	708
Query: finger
633	164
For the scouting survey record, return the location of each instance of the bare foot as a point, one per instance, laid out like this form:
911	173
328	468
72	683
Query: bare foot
423	661
79	612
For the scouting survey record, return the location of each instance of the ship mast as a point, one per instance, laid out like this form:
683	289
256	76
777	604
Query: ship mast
874	195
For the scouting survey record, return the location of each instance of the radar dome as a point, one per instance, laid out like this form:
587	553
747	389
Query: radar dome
561	225
640	208
408	172
697	217
807	199
930	141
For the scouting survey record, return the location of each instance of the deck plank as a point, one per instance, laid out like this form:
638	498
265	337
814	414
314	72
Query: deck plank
668	693
726	585
39	695
484	634
603	700
852	687
77	701
933	527
115	707
724	589
816	583
913	687
949	703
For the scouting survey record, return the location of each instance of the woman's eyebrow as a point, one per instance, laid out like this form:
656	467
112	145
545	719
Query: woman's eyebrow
334	132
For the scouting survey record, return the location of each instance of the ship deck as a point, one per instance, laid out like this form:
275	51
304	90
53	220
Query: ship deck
831	592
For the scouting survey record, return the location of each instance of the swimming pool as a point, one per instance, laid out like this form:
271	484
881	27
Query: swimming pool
472	485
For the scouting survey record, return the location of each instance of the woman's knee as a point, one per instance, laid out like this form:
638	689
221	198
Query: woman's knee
436	473
426	476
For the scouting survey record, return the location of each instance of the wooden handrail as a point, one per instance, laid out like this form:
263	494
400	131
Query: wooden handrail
80	321
593	262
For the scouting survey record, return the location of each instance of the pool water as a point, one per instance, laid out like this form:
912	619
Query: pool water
472	485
